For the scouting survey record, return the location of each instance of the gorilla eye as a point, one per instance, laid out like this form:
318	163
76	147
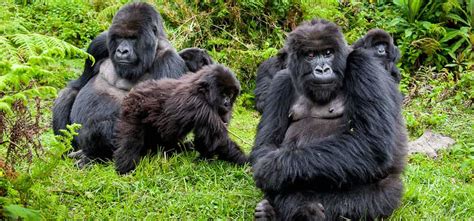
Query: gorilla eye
310	54
328	52
155	30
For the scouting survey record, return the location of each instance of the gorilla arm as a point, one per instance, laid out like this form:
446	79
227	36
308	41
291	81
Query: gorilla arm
275	121
361	154
211	137
168	63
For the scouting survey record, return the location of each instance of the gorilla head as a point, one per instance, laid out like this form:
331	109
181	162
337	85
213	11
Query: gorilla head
132	39
195	58
222	89
381	44
317	59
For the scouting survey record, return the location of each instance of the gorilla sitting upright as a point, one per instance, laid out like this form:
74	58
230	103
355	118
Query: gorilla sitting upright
331	142
379	42
138	50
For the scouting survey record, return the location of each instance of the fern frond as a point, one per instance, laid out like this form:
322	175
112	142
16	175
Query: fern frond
36	44
8	52
108	13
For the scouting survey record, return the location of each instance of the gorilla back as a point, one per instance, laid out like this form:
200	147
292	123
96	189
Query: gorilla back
138	50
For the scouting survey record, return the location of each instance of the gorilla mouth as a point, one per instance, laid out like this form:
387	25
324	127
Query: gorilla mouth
124	62
324	84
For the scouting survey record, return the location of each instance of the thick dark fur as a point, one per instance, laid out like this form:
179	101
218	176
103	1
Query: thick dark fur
195	58
67	96
94	99
391	55
163	112
269	68
355	172
265	73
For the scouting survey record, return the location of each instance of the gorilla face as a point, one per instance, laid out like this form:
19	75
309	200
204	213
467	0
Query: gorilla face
195	58
221	88
317	59
133	39
381	44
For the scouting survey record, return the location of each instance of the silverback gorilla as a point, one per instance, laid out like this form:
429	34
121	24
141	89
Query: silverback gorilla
331	143
138	50
378	41
163	112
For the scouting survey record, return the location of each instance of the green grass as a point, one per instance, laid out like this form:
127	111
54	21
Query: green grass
182	187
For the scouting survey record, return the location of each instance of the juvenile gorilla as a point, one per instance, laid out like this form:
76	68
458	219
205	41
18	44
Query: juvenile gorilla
331	142
378	41
163	112
381	44
138	50
195	58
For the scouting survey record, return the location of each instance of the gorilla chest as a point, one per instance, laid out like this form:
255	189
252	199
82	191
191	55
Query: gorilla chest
311	121
110	84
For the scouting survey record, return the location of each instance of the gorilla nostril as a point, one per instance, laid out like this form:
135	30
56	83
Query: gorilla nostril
318	70
326	70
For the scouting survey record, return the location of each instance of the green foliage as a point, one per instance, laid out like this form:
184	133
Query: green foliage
72	20
436	32
17	189
16	212
435	37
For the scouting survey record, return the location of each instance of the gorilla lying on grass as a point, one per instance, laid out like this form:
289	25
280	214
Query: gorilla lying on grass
331	142
160	113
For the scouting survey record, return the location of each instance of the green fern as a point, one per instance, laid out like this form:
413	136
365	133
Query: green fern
36	44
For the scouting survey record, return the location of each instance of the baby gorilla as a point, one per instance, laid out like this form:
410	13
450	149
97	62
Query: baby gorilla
382	46
195	58
163	112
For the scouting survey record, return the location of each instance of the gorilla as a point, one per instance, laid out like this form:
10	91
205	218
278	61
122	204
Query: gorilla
265	73
195	58
137	50
163	112
381	44
378	41
331	143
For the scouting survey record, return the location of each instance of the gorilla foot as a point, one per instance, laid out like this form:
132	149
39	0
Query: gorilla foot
311	211
83	161
264	211
76	154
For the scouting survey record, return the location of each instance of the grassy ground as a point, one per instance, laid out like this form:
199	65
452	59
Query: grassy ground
181	187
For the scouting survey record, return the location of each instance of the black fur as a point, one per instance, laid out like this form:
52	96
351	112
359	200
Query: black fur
354	172
265	73
195	58
163	112
391	54
94	99
63	104
269	68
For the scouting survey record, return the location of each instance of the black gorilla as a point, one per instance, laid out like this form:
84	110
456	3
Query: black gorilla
163	112
137	50
378	41
331	133
265	73
195	58
381	44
